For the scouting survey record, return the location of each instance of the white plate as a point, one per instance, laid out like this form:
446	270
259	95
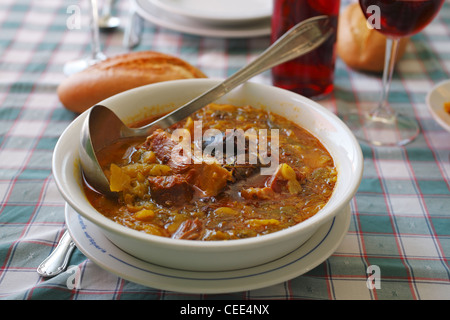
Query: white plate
162	18
101	251
436	98
218	11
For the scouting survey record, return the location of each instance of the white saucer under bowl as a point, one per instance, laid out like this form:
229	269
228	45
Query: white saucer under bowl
94	244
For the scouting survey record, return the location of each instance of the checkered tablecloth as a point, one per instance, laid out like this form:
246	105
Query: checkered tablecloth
400	216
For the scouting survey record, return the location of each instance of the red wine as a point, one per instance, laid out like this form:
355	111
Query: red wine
312	74
400	18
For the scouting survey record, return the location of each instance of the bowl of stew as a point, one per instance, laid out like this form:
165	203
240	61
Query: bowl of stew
243	181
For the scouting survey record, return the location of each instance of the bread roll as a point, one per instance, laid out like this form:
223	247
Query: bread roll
360	47
84	89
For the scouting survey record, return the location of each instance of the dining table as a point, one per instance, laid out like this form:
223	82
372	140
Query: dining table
394	245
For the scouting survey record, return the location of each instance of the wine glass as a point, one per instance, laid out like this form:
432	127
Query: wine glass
96	54
383	126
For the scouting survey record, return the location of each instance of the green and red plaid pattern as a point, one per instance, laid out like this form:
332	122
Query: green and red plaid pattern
400	217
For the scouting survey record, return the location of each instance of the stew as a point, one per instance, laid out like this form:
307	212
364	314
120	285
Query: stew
226	172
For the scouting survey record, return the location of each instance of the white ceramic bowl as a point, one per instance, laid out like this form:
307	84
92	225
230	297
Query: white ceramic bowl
214	255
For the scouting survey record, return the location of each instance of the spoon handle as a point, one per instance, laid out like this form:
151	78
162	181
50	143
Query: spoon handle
106	11
300	39
57	261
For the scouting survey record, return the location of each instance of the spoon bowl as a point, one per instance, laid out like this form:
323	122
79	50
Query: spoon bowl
107	22
102	127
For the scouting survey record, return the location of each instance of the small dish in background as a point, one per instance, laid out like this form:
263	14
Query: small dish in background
216	12
166	19
436	98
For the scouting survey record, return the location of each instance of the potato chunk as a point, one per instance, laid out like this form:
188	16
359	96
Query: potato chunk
119	180
211	178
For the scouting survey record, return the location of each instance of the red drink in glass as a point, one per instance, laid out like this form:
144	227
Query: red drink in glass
311	75
399	18
383	126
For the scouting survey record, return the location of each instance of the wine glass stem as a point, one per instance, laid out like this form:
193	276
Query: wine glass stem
383	110
95	37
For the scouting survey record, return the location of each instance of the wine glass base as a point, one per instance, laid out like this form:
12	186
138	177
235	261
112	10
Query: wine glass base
75	66
398	130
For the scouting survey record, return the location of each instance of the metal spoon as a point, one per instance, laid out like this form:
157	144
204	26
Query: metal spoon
102	127
107	22
57	261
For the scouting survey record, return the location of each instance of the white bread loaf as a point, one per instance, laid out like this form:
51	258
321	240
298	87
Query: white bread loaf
84	89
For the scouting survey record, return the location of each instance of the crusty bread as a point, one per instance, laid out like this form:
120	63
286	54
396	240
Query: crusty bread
84	89
358	46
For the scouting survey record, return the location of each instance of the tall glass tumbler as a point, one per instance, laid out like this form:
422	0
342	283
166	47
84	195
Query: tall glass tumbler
311	75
